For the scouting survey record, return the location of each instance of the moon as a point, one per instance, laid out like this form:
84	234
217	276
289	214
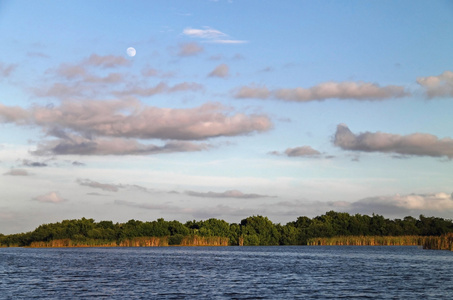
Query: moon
131	51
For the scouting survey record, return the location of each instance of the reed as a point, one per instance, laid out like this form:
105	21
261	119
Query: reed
408	240
443	242
134	242
144	242
63	243
196	240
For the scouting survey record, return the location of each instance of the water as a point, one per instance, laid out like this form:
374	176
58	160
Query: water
226	273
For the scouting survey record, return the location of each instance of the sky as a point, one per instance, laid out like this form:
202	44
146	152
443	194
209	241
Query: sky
228	109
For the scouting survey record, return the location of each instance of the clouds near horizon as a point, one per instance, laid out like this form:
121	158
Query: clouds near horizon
404	204
52	197
227	194
17	172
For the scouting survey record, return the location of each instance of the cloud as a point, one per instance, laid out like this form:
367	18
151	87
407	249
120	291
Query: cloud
404	204
226	194
37	54
328	90
29	163
113	187
220	71
131	119
419	144
80	79
151	206
98	185
77	145
211	35
253	92
207	33
107	61
52	197
161	88
96	194
437	86
6	70
301	151
189	49
151	72
17	172
13	114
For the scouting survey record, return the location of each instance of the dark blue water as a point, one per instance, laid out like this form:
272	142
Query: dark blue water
226	273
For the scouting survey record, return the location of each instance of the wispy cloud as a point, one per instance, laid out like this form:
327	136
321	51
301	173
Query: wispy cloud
151	72
109	187
29	163
437	86
189	49
206	33
328	90
6	69
418	144
226	194
107	61
17	172
97	185
78	145
211	35
298	152
151	206
221	71
160	88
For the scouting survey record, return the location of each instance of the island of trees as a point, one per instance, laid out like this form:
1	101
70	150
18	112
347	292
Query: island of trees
332	228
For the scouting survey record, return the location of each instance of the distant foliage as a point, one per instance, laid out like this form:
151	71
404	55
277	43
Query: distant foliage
332	228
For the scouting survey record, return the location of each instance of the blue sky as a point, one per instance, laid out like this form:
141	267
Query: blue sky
228	109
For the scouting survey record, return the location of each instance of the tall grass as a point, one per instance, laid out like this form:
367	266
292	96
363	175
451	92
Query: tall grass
408	240
135	242
443	242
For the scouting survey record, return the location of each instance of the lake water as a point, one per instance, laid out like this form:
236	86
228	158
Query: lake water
226	273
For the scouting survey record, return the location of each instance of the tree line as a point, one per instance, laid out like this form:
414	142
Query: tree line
254	230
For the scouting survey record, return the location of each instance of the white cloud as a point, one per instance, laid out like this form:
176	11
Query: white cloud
211	35
207	33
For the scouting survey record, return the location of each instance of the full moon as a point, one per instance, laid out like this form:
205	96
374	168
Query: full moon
131	51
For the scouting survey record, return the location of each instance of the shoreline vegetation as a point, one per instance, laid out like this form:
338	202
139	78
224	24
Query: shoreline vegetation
330	229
